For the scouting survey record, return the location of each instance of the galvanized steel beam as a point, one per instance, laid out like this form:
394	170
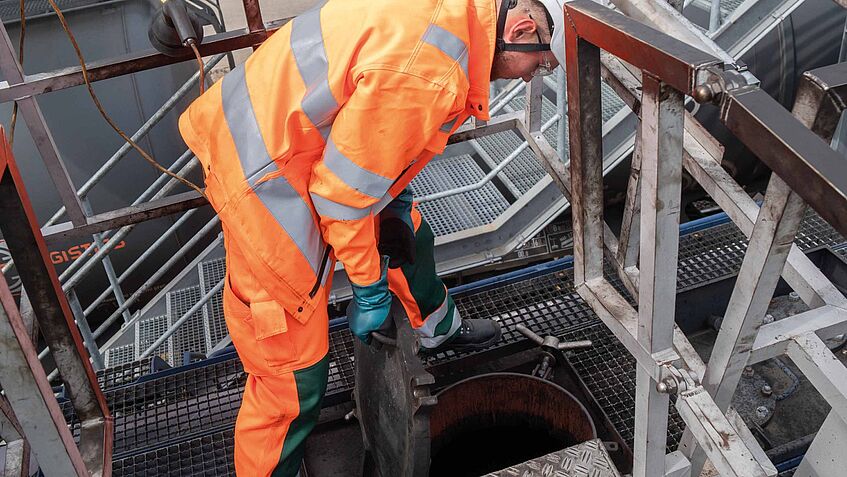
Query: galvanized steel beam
133	214
801	158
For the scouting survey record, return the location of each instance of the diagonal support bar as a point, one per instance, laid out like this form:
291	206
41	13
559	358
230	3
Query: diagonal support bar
31	112
720	440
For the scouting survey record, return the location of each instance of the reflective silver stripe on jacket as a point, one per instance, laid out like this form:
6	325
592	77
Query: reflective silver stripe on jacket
307	44
450	44
278	196
363	180
334	210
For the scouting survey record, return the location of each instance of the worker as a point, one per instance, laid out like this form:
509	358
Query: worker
307	151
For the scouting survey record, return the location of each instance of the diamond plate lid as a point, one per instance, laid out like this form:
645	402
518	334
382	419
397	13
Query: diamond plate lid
588	459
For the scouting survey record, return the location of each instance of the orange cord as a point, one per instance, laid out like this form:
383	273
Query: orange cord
199	66
106	117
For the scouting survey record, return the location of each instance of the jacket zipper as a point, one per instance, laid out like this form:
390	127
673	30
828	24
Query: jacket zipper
324	260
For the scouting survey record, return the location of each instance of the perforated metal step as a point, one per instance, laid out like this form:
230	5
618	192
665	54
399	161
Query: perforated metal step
462	211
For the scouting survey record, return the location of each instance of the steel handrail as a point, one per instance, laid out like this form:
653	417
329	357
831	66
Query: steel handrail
80	271
152	248
122	151
140	133
491	174
121	233
159	273
146	285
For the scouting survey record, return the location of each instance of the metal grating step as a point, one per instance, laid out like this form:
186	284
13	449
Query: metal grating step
207	456
525	171
120	355
172	408
458	212
148	331
191	336
211	273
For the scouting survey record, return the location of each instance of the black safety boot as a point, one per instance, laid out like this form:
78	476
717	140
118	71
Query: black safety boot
474	334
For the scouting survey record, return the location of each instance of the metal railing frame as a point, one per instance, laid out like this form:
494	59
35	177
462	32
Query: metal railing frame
32	405
669	140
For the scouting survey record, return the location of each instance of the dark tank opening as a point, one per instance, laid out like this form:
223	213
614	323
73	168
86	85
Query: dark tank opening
483	444
491	422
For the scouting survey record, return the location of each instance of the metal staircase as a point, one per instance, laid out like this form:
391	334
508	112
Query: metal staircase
479	213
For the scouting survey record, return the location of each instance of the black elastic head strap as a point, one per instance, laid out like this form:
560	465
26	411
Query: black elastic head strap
501	44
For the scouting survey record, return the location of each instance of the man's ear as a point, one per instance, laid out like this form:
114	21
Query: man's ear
520	29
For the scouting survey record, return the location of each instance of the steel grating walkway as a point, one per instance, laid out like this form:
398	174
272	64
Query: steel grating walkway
482	206
165	421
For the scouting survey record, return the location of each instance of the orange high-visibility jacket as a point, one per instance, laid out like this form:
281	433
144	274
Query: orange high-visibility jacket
328	120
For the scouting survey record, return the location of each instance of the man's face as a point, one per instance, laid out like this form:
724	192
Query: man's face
514	64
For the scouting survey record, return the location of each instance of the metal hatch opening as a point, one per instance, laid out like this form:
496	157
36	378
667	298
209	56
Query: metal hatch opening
489	422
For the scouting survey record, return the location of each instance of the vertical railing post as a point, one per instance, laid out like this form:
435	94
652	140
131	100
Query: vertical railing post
562	109
532	108
661	178
714	16
85	330
586	155
114	284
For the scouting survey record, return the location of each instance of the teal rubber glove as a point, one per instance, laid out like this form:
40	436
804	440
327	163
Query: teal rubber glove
370	307
397	232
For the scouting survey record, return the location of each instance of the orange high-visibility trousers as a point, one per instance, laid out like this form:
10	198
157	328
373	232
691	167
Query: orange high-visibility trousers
286	359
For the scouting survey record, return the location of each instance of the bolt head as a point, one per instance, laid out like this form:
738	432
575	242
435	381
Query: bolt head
793	296
762	412
767	390
703	94
768	319
748	371
662	387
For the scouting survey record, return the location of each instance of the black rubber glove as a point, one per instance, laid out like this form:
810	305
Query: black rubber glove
396	231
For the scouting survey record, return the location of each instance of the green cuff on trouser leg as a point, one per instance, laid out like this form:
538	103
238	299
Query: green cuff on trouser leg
311	386
442	318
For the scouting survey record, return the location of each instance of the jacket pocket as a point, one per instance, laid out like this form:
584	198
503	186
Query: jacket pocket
270	328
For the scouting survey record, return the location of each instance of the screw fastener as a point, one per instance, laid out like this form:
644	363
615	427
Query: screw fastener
768	319
766	390
762	412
